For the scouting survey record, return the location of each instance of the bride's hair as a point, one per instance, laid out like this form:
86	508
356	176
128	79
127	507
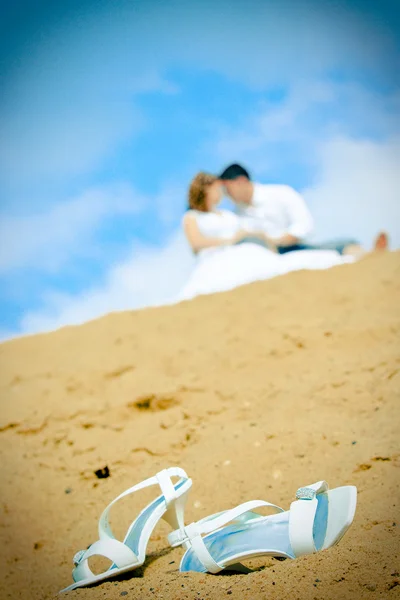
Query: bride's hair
198	191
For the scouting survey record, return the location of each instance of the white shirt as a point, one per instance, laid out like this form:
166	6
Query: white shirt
278	209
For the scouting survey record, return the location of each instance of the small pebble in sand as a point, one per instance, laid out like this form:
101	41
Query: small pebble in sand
226	463
123	593
68	490
197	504
276	474
353	443
102	473
257	444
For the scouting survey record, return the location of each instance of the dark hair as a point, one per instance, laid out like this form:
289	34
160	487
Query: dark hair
233	172
198	191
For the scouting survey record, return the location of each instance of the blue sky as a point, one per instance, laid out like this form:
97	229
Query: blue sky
109	109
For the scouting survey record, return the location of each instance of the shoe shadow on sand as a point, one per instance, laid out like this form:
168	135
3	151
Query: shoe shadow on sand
153	556
240	569
136	573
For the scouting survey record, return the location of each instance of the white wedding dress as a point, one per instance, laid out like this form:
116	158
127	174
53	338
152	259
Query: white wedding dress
223	268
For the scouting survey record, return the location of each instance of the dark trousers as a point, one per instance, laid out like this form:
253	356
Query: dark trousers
339	245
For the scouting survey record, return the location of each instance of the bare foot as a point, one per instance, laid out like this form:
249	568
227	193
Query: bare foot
381	241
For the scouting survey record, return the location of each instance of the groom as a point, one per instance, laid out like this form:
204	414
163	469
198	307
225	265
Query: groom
282	214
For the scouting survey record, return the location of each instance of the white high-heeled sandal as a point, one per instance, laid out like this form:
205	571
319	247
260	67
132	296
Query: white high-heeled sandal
317	520
131	553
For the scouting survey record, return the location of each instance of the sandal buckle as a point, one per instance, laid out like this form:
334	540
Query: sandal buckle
177	538
78	557
305	493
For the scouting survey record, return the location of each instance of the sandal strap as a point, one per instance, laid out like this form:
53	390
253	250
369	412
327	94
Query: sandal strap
204	556
192	533
163	479
108	546
117	552
302	515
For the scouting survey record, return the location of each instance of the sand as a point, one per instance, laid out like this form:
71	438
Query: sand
254	392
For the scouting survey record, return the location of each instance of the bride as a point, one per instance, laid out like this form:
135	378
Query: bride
231	250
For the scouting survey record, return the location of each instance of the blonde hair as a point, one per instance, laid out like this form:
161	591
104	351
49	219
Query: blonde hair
198	191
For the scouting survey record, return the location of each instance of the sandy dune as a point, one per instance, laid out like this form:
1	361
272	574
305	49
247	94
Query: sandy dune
254	392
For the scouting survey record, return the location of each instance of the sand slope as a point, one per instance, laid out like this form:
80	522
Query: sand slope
254	392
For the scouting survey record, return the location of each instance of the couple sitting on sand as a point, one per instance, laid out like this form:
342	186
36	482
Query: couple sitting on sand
264	237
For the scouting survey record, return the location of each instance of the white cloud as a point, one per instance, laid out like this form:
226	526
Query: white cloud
311	112
68	104
357	189
59	138
258	43
153	81
69	129
271	124
148	277
356	185
169	204
47	240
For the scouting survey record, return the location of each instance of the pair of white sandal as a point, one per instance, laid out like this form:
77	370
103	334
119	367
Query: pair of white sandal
317	520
